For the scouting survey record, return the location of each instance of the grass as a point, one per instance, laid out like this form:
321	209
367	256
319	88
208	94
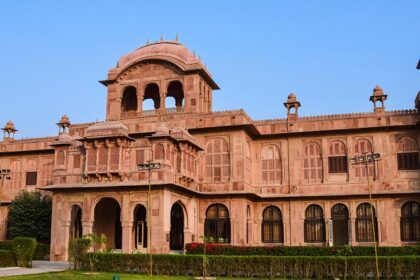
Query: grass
77	275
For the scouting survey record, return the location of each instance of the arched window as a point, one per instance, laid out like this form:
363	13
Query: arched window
129	99
270	165
337	158
314	224
312	162
151	92
272	225
76	229
175	91
159	152
408	154
217	160
362	147
364	226
217	223
410	221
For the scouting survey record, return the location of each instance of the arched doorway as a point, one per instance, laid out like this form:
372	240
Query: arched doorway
140	227
76	230
340	224
107	222
177	228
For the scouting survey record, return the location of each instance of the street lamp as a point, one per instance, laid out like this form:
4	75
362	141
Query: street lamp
366	159
4	175
149	165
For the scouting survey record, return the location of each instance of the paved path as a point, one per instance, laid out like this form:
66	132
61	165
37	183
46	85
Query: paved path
37	267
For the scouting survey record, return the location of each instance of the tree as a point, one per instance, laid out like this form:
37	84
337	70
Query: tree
30	216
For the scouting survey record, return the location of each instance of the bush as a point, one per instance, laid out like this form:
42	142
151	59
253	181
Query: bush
42	251
77	247
24	248
297	267
6	245
7	258
218	249
30	216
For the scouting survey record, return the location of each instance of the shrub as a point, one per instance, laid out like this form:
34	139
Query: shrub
77	247
42	251
24	248
30	216
6	245
228	250
7	258
296	267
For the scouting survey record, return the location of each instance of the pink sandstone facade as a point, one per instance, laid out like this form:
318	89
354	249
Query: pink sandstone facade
243	182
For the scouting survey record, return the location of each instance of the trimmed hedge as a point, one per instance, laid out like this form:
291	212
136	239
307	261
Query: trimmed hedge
6	245
24	249
42	250
7	258
297	267
228	250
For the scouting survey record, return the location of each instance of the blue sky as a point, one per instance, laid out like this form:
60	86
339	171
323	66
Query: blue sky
330	53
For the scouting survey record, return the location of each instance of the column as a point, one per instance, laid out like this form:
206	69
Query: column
126	236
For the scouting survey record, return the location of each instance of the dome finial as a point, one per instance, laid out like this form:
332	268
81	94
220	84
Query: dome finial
161	37
177	37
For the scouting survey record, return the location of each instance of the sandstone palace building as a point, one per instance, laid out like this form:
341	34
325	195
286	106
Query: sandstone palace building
221	174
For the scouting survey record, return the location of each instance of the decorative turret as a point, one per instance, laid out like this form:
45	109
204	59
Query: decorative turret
63	124
9	131
417	101
292	105
378	96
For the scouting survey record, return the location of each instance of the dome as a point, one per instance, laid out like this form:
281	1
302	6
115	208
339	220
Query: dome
172	49
378	90
291	98
9	127
64	121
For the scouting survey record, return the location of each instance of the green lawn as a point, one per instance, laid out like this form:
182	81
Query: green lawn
77	275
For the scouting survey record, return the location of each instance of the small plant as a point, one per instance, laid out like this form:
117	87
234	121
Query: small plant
345	251
98	242
206	240
24	248
78	247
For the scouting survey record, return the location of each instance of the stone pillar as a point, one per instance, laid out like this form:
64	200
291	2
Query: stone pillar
126	236
87	227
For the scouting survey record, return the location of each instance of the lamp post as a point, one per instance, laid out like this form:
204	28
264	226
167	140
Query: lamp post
4	175
149	165
365	159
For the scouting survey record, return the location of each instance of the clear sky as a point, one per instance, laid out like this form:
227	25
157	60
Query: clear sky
330	53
